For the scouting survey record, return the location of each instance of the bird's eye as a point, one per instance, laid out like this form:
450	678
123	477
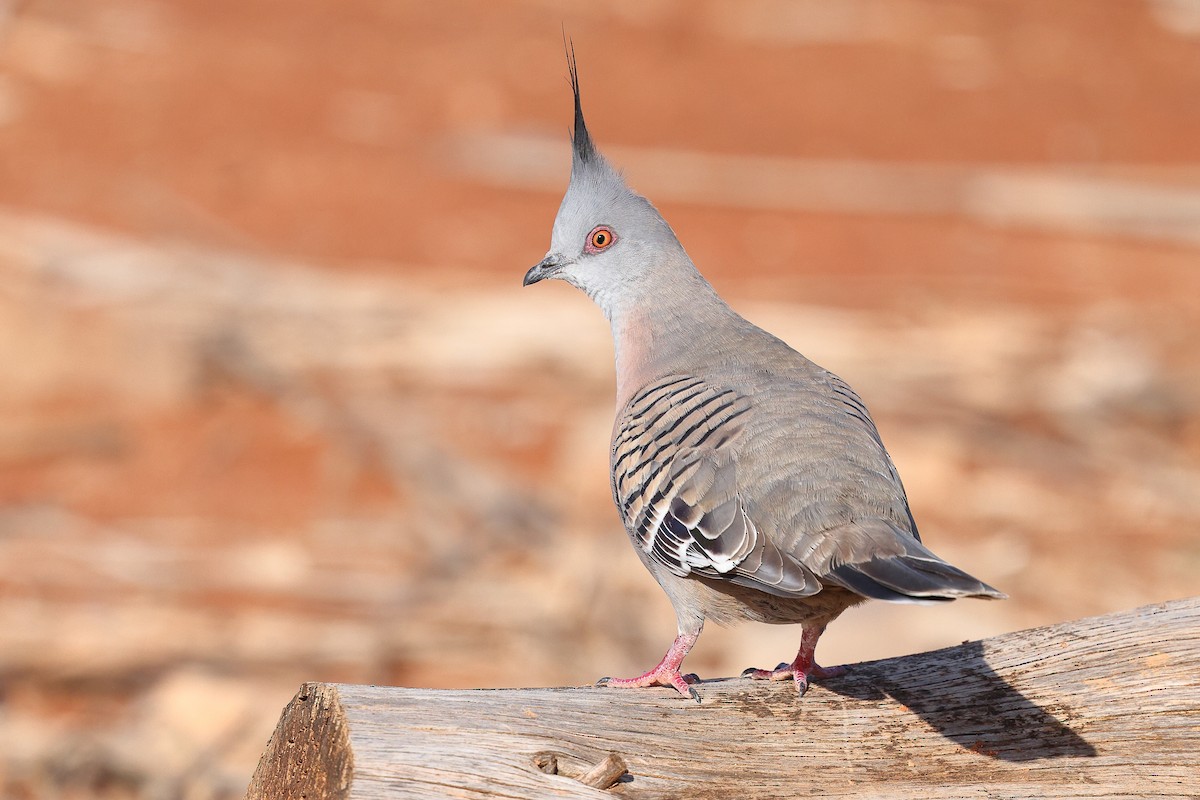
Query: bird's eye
599	239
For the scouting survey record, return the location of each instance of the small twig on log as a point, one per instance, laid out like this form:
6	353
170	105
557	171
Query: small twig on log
606	773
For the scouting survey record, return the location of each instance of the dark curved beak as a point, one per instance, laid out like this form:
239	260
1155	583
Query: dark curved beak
546	268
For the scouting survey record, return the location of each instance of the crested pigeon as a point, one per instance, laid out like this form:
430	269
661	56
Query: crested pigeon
753	483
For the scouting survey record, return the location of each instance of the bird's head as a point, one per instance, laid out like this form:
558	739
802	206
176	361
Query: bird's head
607	240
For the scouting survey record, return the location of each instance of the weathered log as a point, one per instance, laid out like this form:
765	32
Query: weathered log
1101	707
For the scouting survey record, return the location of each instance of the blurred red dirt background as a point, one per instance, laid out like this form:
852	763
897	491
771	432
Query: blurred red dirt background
274	407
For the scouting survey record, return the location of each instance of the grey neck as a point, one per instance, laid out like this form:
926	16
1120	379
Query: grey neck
657	336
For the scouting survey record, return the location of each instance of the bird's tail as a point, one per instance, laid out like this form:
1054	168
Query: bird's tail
895	566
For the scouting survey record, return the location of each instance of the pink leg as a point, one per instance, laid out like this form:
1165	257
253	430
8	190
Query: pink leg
803	668
666	673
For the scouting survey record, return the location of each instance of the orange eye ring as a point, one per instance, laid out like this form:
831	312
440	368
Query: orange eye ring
601	238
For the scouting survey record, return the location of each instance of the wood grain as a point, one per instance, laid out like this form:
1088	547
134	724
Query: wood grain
1102	707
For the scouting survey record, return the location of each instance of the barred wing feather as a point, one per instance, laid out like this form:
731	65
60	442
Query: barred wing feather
675	483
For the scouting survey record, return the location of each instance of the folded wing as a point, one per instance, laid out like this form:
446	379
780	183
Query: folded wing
675	482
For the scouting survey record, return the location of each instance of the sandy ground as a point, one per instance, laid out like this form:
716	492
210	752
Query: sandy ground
274	407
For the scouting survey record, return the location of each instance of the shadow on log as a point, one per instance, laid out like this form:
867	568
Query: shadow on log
961	697
1101	707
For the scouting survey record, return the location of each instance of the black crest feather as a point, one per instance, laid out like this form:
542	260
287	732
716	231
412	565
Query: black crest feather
580	140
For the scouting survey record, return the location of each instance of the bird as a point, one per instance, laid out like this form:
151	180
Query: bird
753	483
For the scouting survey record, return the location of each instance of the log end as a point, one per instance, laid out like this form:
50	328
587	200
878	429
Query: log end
309	754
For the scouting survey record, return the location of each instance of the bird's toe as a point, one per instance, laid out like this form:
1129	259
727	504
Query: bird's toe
820	673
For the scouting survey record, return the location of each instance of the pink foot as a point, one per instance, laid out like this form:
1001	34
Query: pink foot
803	668
656	677
665	674
800	676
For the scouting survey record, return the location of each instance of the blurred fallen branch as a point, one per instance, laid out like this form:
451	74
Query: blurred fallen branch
1098	707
